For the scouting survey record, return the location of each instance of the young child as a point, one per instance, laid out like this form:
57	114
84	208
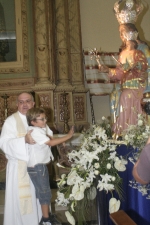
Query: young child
40	154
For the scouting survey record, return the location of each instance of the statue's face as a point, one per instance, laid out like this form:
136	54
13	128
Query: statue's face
123	29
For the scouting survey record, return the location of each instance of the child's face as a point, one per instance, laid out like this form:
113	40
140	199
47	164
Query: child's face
40	121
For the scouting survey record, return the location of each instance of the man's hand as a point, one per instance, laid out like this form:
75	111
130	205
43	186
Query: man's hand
29	139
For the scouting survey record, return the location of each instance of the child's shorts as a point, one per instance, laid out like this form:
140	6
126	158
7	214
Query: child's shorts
40	178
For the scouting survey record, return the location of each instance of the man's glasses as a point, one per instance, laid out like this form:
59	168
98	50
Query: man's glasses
42	119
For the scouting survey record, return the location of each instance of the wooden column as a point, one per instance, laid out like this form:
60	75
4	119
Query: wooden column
42	53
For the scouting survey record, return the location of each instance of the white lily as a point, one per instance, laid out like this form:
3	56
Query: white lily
70	218
77	192
72	177
114	205
108	166
73	204
106	178
105	186
60	165
96	172
61	200
140	122
119	165
112	155
96	165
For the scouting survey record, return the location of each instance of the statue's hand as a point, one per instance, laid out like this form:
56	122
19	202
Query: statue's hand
104	68
143	77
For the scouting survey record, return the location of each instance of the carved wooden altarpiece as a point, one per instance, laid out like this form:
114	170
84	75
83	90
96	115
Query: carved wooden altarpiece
58	62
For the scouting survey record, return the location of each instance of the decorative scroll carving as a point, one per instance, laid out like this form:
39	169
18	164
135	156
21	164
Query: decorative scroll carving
65	113
45	100
5	97
3	162
13	83
59	110
11	104
47	104
63	67
79	107
61	106
11	107
2	112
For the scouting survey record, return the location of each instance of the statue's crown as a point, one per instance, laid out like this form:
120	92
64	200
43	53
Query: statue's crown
127	15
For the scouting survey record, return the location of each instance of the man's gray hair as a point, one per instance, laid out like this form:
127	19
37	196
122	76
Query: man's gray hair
25	93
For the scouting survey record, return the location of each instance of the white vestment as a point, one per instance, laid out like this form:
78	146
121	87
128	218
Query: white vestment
15	149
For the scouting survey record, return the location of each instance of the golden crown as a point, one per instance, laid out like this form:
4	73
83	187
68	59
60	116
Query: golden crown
127	15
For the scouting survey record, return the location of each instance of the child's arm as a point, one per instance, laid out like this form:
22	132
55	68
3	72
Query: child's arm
51	137
57	141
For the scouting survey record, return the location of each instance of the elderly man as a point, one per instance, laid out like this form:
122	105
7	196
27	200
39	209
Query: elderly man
21	205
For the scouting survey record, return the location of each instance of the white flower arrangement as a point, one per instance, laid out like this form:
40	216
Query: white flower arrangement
137	136
95	165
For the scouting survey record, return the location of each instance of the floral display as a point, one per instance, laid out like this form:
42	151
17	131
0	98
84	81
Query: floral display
94	167
137	136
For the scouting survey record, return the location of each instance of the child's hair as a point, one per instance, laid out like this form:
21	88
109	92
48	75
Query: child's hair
33	113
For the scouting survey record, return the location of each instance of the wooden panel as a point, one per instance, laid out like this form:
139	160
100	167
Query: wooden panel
121	218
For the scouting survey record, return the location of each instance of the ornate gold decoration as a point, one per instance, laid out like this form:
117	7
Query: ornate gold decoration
65	112
5	106
79	107
3	162
16	83
45	100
